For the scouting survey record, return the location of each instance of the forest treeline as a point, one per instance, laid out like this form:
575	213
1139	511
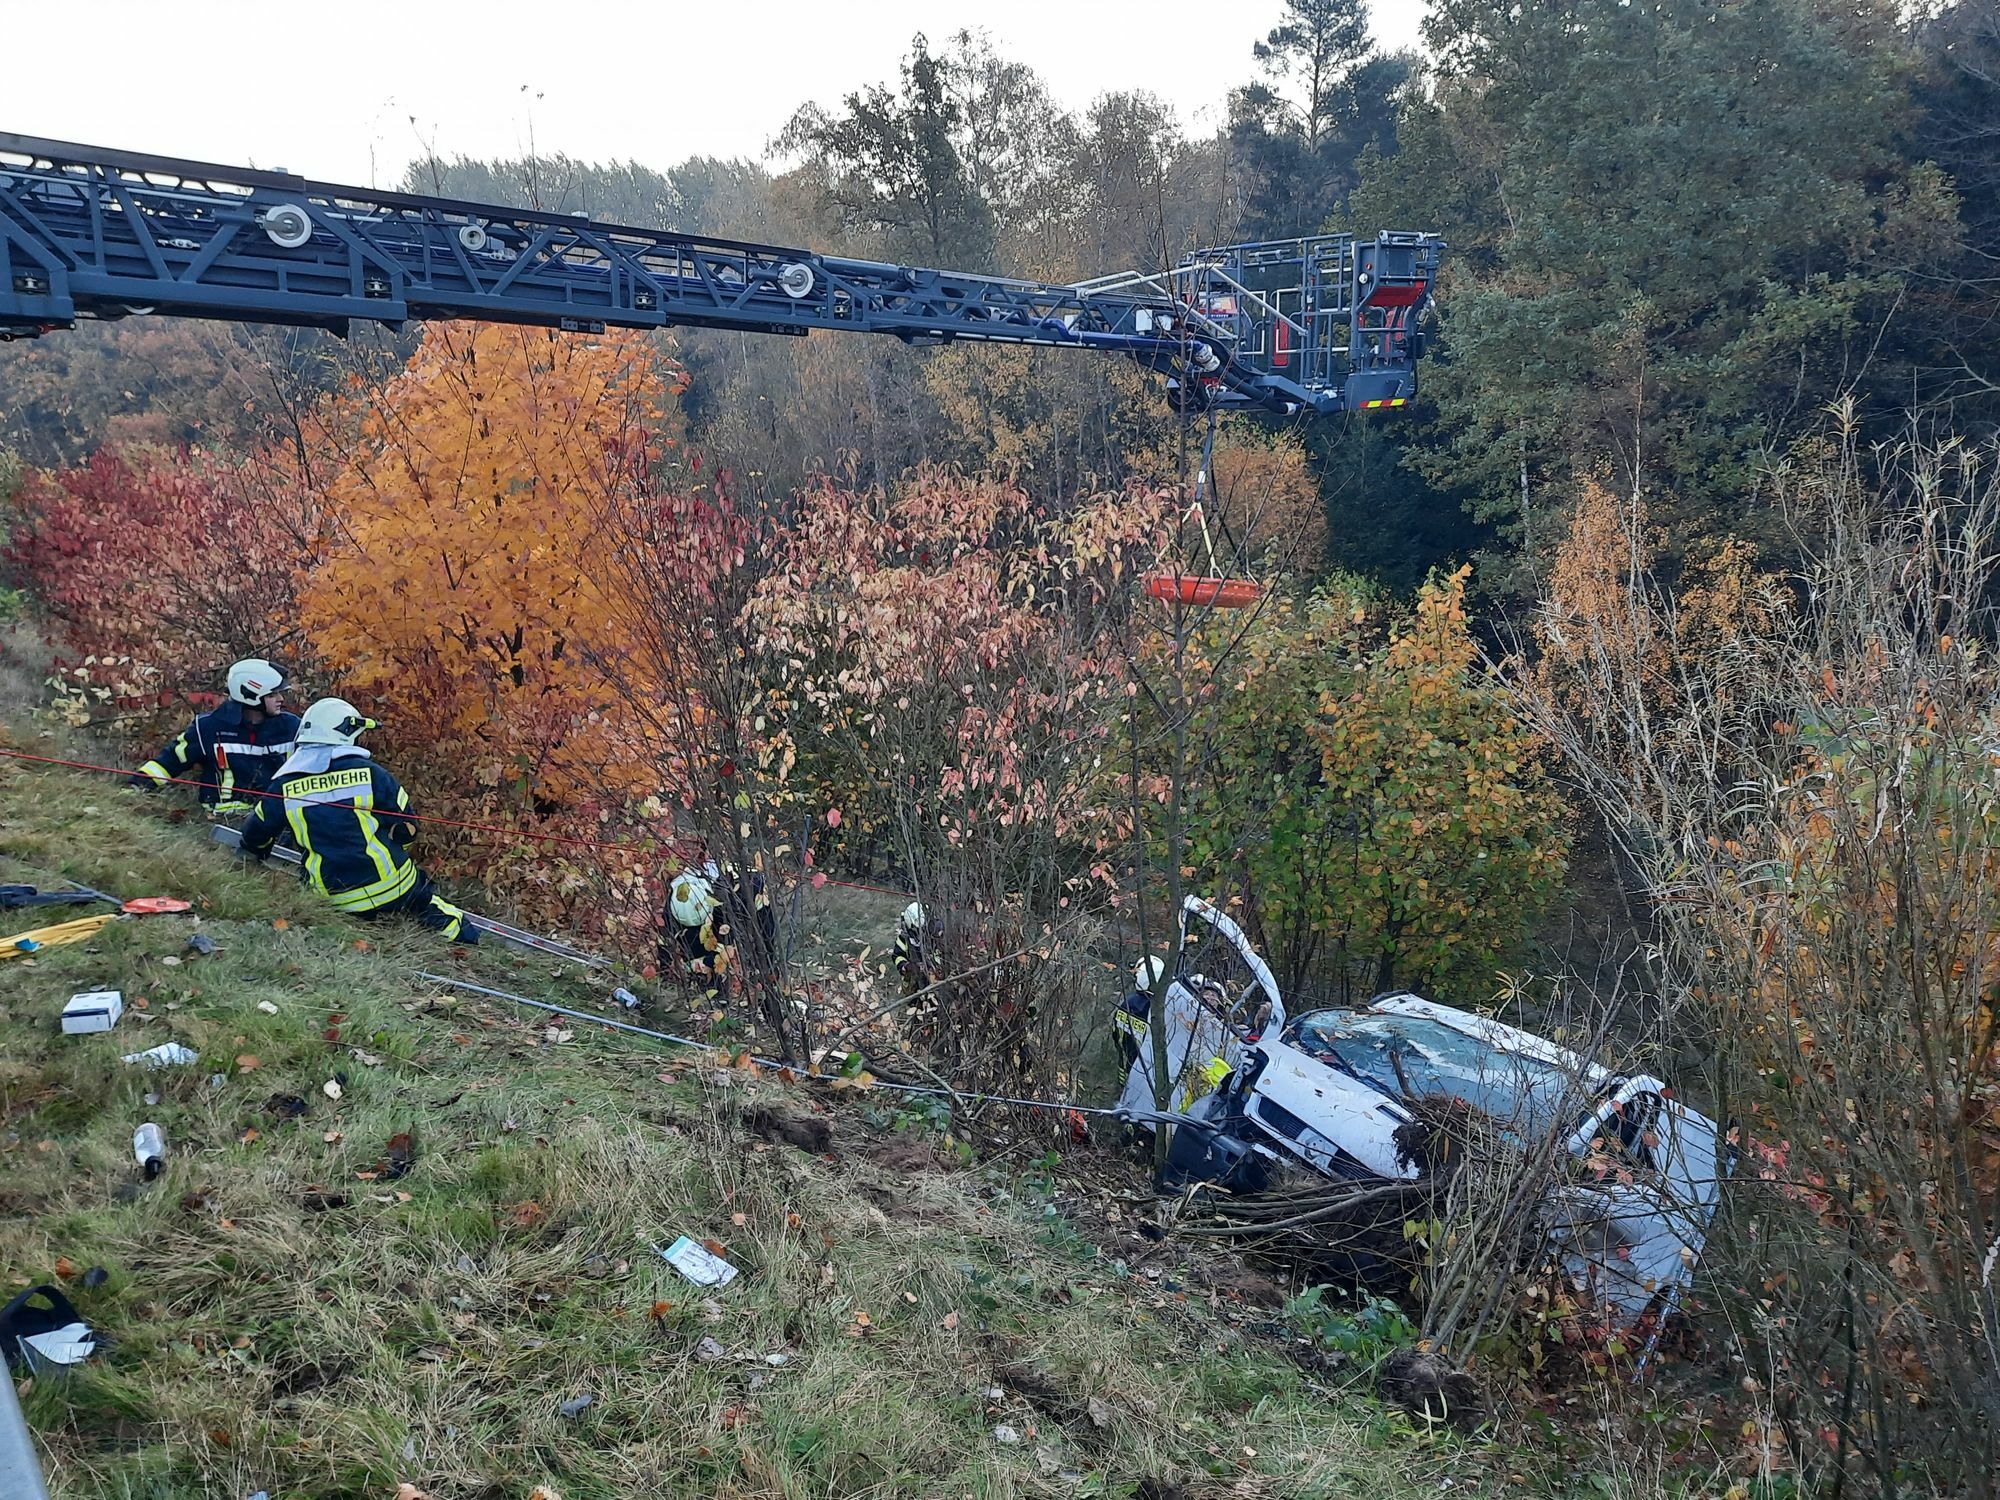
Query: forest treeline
1677	231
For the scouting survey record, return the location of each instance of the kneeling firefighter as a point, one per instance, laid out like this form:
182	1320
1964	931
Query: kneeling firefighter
350	819
710	911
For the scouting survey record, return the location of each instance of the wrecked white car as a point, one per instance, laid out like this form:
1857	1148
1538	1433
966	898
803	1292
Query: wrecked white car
1330	1090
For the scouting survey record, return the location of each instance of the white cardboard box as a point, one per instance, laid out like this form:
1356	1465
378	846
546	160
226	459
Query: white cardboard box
93	1010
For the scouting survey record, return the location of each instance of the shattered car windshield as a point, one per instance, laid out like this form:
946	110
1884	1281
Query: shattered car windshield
1523	1092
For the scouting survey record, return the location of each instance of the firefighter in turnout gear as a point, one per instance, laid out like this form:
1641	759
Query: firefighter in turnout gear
909	951
1130	1017
350	819
710	912
233	750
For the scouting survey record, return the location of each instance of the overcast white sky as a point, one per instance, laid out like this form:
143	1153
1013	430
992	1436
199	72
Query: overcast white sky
329	91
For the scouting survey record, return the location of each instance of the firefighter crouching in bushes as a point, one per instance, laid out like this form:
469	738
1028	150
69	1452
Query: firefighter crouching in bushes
1129	1018
710	911
233	750
1207	1024
349	818
909	950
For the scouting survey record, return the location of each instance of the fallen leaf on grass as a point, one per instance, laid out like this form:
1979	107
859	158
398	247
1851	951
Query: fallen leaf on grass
248	1136
362	945
950	1320
526	1213
1100	1411
246	1062
279	924
408	1491
367	1059
792	1221
738	1220
65	1267
333	1137
734	1417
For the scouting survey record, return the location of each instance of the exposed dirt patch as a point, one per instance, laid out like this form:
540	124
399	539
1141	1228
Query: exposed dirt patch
774	1122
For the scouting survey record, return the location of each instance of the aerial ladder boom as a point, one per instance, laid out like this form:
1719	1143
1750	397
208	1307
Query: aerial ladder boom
1318	325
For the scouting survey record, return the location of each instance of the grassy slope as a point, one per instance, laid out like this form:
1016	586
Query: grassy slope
427	1329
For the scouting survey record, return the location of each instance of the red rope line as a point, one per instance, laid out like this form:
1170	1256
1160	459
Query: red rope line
511	833
492	828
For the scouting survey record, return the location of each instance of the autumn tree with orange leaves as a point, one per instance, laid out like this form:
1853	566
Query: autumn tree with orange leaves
460	597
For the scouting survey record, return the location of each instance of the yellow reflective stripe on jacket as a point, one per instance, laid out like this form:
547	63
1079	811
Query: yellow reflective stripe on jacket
295	818
1125	1021
157	771
379	893
456	925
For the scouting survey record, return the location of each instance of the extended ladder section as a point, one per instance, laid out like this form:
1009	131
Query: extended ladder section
1321	325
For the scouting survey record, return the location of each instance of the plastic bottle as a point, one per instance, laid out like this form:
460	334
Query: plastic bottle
149	1146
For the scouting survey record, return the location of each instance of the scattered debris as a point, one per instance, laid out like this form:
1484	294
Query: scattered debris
149	1149
92	1010
625	998
13	897
697	1264
166	1055
38	938
285	1106
95	1277
40	1330
267	1007
708	1351
155	906
331	1088
576	1406
203	944
1006	1435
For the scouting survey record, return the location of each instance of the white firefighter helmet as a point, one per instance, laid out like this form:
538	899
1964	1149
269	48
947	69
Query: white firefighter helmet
691	899
913	917
1146	973
332	721
252	680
